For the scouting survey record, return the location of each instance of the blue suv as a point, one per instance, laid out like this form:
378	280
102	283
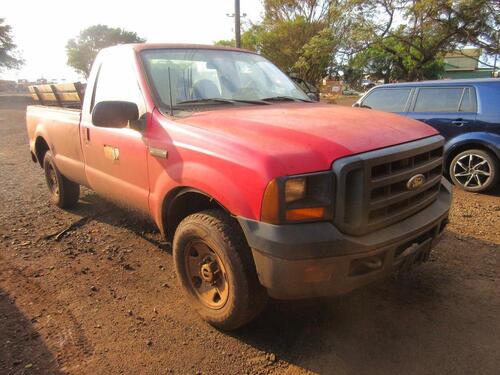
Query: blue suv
466	112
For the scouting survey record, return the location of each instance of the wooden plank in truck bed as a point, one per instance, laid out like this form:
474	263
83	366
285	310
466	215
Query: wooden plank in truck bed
67	95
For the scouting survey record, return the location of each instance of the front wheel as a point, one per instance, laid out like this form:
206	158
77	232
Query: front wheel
216	270
474	170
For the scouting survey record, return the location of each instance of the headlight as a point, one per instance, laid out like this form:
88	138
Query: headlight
301	198
295	189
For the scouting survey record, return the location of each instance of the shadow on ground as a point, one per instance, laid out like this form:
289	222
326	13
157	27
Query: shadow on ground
96	208
21	347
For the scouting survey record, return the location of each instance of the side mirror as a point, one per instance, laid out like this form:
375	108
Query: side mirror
313	96
114	114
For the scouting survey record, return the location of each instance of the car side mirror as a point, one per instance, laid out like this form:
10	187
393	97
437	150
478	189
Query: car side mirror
313	96
114	114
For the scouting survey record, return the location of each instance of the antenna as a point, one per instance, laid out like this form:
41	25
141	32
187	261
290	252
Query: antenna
170	93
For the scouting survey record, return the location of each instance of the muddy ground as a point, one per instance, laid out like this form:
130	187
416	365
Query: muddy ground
102	298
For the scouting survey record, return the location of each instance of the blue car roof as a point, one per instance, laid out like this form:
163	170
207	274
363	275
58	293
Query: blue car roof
470	81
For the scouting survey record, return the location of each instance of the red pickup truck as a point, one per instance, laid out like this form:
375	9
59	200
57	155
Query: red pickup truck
261	191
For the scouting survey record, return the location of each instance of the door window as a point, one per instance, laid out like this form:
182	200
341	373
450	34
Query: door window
117	81
442	99
389	100
468	101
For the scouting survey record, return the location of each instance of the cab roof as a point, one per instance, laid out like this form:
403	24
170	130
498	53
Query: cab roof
145	46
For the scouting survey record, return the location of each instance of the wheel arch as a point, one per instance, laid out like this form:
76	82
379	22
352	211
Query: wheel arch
41	147
182	202
469	144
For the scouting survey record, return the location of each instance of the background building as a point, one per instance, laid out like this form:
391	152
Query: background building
465	64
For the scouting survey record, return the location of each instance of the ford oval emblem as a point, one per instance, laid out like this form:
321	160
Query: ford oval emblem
415	182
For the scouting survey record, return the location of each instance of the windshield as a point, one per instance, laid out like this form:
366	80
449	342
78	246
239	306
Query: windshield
227	76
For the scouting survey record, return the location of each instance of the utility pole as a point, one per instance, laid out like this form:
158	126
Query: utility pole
237	23
495	65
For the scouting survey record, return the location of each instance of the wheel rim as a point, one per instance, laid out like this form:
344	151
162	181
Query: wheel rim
207	275
52	179
472	171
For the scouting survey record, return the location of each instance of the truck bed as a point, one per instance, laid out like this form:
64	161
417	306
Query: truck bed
61	127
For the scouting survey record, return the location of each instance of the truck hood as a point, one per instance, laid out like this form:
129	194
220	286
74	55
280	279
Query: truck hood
305	137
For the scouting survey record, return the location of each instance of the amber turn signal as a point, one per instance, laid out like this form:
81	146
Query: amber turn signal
300	214
270	204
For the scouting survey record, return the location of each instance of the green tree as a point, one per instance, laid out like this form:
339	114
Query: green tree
429	29
395	61
478	22
389	39
249	39
304	36
316	56
9	58
83	49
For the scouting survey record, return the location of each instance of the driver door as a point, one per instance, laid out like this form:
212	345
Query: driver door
116	158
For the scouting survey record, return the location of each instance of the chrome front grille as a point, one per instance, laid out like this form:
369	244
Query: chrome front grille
372	190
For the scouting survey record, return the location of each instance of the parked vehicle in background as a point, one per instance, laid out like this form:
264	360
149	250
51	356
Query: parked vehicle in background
310	89
367	84
261	191
466	112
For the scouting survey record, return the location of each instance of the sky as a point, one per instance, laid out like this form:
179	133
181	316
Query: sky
41	29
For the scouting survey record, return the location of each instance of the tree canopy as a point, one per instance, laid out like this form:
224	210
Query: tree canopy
83	49
388	39
9	58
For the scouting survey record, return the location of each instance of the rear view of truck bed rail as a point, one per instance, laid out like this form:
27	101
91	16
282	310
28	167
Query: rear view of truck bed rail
67	95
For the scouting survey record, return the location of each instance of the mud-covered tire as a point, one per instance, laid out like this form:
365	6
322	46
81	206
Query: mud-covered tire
474	170
63	192
222	235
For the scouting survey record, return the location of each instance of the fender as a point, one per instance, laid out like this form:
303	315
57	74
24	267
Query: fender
226	192
490	141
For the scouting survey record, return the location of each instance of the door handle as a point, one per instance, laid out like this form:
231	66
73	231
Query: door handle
158	152
459	122
87	134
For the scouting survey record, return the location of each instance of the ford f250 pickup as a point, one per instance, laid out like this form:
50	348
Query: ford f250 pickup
261	191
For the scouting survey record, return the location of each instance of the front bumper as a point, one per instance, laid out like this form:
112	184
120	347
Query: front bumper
316	259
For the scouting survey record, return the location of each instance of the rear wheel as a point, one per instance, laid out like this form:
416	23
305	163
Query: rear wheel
474	170
216	269
63	192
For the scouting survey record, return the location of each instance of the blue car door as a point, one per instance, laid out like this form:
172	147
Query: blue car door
449	109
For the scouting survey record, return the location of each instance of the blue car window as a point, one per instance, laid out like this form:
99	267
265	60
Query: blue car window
389	100
468	101
442	99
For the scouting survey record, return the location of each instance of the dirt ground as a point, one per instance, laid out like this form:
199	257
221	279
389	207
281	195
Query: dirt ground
102	298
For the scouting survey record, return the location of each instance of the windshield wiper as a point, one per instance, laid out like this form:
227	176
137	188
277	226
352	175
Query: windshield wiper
221	100
206	101
285	99
261	102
